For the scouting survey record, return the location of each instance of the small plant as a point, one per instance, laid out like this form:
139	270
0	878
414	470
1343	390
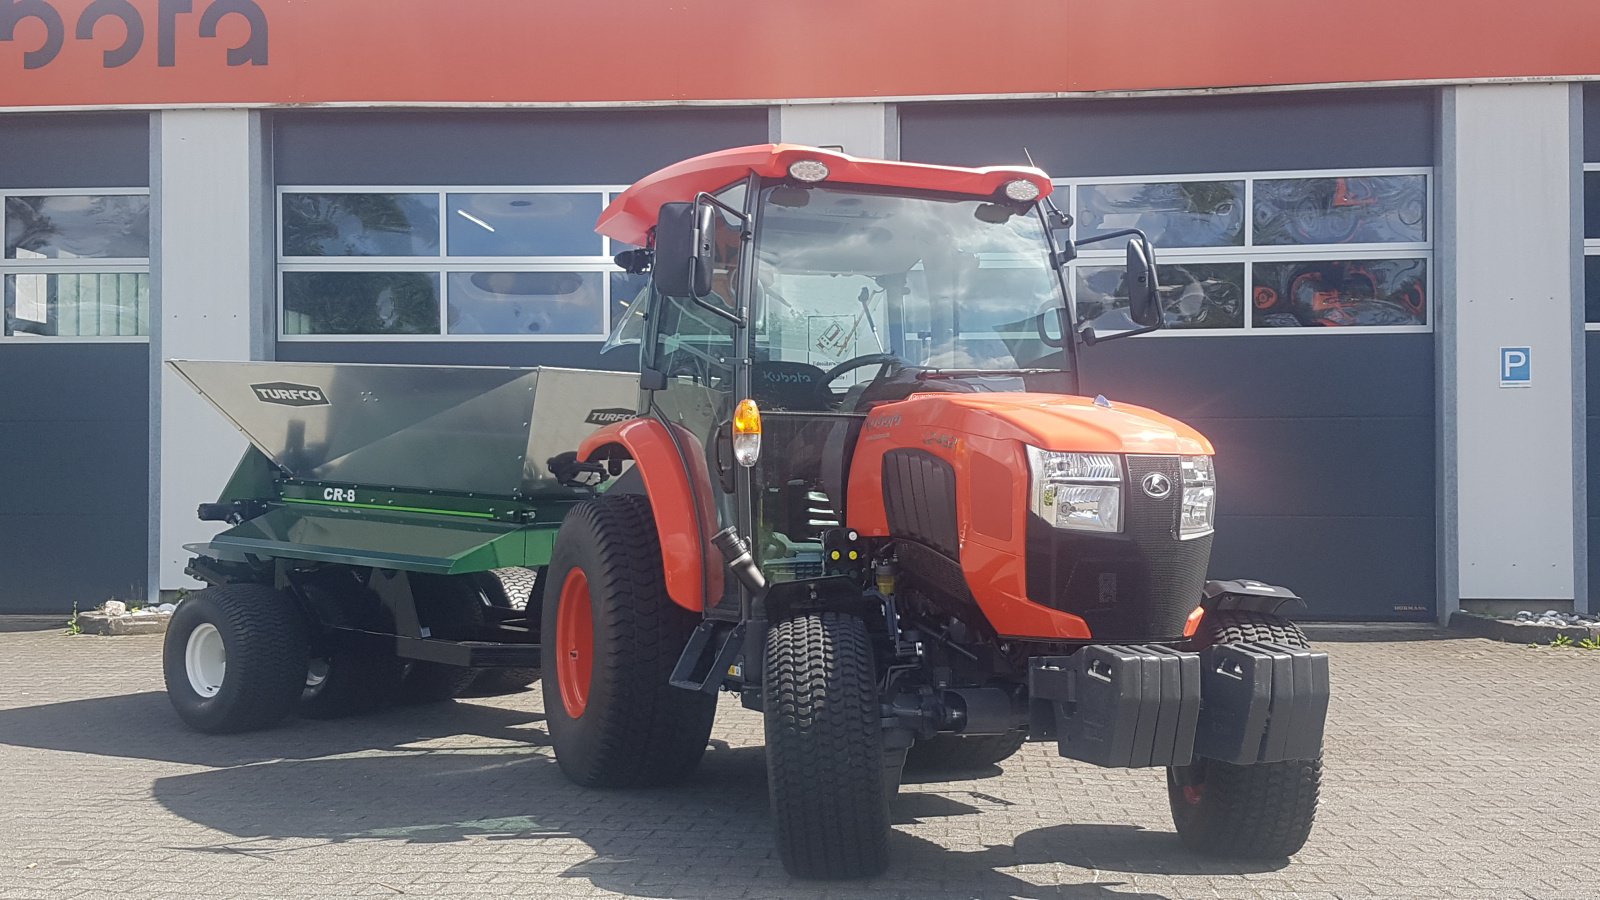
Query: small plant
1561	640
1590	643
72	624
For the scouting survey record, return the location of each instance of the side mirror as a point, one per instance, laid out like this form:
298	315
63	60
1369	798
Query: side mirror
684	243
1144	305
634	262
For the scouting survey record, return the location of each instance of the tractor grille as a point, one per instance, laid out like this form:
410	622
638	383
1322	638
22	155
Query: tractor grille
1138	585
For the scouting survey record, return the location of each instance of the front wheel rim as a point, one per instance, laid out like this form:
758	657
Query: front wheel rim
205	660
575	643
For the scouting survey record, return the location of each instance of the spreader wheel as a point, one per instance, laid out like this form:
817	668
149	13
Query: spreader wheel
235	658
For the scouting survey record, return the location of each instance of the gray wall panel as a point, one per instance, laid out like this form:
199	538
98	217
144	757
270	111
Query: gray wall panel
1592	426
1326	459
501	148
1071	138
56	150
74	442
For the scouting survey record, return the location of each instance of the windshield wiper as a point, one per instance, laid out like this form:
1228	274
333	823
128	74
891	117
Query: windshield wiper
951	373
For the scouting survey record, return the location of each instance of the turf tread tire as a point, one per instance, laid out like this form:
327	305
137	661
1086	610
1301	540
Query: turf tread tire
637	729
825	747
451	608
358	681
1261	811
265	638
518	588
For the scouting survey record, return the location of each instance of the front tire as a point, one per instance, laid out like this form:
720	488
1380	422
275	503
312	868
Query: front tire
234	658
451	608
825	747
1261	811
611	638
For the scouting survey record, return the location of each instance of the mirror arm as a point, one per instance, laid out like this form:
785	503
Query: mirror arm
1089	338
1110	235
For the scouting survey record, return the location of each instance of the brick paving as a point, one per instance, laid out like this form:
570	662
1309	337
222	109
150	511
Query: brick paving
1457	768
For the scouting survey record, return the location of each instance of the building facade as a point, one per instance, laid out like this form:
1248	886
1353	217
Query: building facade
1374	261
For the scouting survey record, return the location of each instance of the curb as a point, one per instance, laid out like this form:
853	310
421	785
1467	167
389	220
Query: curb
1519	632
96	623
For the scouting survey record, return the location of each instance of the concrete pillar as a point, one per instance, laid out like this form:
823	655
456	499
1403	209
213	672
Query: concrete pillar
1513	512
211	275
862	129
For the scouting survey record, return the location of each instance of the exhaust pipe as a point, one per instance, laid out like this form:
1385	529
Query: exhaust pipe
736	550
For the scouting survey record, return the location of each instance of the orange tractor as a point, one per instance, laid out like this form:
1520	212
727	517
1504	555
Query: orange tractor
862	489
867	495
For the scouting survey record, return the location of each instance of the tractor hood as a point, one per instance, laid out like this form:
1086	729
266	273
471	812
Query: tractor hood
1047	421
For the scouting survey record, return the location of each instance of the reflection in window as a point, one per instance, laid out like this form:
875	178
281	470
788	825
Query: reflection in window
1171	214
360	224
360	303
1344	210
87	226
1591	289
77	305
1591	205
523	224
526	303
1193	295
1340	293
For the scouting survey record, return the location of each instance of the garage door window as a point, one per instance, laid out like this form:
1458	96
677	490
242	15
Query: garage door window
76	265
1243	252
1591	246
447	264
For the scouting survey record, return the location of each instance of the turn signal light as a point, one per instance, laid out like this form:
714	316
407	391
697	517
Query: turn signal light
747	433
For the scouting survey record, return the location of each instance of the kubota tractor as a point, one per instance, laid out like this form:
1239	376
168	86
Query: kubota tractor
862	489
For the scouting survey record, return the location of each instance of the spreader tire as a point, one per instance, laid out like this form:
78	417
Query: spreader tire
348	682
520	589
451	608
611	637
234	658
825	747
962	752
1261	811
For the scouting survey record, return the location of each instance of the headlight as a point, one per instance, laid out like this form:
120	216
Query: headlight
1081	491
1199	514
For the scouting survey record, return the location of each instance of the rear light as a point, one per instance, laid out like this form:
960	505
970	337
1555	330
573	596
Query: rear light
746	433
810	171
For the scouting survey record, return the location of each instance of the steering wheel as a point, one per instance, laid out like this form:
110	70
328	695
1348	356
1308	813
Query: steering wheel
888	361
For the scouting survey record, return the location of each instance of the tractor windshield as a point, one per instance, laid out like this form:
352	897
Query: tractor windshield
936	281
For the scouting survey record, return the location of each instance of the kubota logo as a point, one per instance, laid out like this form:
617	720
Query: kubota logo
609	416
285	394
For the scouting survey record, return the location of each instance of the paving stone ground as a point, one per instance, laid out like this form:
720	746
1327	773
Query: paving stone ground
1456	768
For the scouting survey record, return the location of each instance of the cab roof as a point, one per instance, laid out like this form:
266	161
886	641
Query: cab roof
632	215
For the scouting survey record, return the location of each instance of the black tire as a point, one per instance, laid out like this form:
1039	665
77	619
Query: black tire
963	753
520	589
263	638
632	727
825	747
451	608
349	682
1262	811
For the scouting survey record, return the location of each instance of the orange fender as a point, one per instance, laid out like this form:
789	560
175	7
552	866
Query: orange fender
686	554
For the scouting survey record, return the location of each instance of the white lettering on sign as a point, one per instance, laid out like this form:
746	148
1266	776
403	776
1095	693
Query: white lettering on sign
339	495
1516	367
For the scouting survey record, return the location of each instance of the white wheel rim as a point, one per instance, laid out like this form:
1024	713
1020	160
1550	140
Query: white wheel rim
316	673
205	660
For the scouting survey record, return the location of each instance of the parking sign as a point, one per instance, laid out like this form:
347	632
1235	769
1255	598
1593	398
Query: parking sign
1516	367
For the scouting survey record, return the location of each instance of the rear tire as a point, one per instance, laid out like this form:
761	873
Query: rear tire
349	682
825	747
962	752
1261	811
234	658
611	638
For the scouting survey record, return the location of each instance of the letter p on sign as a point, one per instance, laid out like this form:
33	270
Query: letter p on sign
1516	367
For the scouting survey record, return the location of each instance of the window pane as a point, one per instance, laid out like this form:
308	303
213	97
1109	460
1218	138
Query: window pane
360	303
1591	288
1356	292
1193	295
524	225
87	305
1355	210
360	225
1171	214
78	227
1591	204
526	303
